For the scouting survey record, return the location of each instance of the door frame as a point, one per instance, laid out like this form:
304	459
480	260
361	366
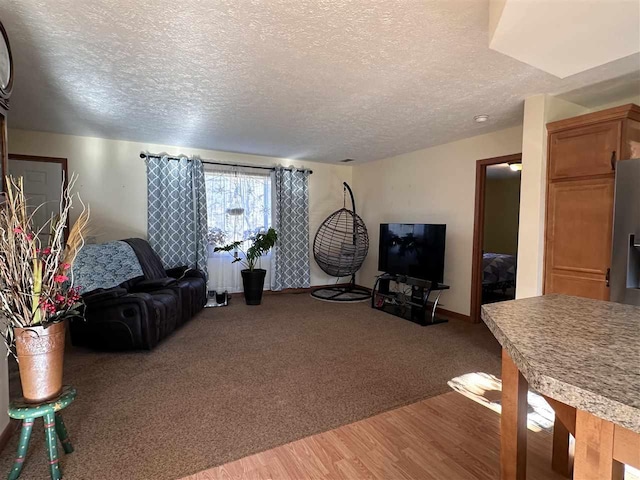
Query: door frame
478	229
35	158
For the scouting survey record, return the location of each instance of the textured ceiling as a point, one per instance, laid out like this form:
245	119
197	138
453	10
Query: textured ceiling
308	79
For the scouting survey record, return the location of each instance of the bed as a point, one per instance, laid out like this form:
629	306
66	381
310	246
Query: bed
498	272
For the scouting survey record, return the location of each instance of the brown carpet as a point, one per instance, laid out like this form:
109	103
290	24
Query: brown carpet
239	380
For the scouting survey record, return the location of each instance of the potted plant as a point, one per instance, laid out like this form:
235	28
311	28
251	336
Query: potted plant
37	293
252	277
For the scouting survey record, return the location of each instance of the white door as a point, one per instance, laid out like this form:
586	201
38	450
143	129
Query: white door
42	184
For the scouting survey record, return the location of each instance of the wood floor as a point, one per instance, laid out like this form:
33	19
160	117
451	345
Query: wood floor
448	437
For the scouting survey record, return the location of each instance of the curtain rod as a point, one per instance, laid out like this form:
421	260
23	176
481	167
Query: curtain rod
210	162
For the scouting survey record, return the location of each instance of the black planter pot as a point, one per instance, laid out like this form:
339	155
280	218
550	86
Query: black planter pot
253	282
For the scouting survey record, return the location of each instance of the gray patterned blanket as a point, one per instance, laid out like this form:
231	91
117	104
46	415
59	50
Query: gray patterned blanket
105	265
498	269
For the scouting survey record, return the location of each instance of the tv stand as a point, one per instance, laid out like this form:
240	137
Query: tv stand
415	305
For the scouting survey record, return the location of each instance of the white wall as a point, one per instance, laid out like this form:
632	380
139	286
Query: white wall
112	179
434	185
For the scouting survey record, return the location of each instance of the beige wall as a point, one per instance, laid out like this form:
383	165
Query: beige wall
434	185
112	180
501	211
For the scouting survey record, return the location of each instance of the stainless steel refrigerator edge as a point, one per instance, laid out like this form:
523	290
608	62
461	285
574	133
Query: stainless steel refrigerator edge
625	258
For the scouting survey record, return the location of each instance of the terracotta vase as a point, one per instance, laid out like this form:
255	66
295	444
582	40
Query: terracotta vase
40	354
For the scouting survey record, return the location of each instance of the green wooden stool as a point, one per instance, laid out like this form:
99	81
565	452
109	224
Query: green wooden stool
28	412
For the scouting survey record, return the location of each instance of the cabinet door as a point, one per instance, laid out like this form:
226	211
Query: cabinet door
590	150
578	237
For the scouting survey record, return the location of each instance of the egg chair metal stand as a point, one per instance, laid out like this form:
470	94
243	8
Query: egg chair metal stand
340	246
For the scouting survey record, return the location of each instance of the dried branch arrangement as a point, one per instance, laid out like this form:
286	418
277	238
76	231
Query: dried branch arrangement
36	285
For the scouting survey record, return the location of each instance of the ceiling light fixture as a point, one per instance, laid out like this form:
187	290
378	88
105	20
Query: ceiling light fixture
481	118
515	166
347	160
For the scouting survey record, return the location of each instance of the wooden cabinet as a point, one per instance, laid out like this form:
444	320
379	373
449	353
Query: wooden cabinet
582	156
579	225
590	150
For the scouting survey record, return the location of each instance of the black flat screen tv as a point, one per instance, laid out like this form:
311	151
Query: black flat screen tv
412	249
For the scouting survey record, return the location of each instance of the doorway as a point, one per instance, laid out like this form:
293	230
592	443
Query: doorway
495	233
43	183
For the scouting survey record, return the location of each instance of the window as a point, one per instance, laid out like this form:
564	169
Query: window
238	205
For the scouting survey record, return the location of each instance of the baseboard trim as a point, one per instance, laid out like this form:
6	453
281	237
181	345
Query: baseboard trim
8	431
303	290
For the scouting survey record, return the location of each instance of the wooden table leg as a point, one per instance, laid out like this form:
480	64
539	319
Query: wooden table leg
564	425
513	424
594	449
562	456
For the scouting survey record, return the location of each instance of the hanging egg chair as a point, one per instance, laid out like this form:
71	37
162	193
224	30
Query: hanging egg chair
339	248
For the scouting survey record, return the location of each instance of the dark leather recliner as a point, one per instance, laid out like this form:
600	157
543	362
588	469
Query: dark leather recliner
190	283
141	311
119	320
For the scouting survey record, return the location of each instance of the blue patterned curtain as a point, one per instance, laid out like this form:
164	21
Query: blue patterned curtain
177	211
290	258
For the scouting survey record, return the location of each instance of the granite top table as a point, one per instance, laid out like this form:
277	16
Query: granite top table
583	353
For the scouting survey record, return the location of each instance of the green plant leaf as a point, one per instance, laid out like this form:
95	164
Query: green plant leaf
261	244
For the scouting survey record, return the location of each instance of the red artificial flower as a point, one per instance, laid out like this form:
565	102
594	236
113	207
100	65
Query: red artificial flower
65	266
74	293
29	236
60	278
47	306
46	251
17	230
